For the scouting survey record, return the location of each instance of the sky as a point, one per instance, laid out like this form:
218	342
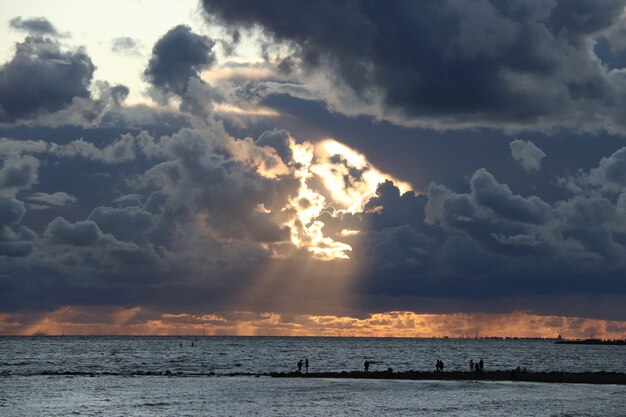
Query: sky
354	167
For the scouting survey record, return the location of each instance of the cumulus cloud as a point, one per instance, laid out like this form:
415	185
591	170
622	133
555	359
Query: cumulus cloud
608	177
18	174
485	63
11	211
279	140
41	77
611	172
583	227
84	233
34	25
527	154
127	224
177	56
488	193
14	241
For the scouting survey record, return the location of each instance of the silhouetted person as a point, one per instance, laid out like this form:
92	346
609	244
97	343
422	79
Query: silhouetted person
300	366
471	365
481	364
306	365
181	344
191	344
476	367
366	365
441	365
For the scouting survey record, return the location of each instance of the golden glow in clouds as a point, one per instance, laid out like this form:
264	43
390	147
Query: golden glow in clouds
306	230
349	181
139	321
333	180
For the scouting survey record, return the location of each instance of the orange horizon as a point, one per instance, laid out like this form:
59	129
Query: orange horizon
137	321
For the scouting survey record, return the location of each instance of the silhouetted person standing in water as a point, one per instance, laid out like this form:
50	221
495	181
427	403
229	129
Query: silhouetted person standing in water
306	365
471	365
480	364
366	365
300	366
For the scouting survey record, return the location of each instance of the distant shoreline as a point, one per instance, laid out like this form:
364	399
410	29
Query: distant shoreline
591	342
555	340
514	375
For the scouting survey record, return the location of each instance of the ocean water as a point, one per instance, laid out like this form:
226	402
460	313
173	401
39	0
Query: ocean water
106	376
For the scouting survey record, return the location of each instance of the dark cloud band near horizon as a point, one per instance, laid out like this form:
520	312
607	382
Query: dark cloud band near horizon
191	229
366	167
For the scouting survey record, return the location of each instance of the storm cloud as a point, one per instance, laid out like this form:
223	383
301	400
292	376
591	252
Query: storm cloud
450	64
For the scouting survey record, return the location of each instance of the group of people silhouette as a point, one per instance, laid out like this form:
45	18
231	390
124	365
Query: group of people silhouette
306	365
439	366
476	366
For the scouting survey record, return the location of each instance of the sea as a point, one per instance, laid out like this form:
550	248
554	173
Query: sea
225	376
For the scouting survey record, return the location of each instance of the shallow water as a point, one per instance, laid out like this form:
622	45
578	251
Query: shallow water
116	390
237	396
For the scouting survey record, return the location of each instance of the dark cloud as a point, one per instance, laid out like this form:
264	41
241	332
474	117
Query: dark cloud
191	202
11	211
279	140
34	25
127	224
487	192
14	243
496	218
611	172
390	208
177	56
42	78
18	173
85	233
453	63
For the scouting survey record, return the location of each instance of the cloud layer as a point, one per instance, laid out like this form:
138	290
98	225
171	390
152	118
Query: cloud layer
202	197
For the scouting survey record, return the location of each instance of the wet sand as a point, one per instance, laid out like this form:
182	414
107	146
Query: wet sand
552	377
